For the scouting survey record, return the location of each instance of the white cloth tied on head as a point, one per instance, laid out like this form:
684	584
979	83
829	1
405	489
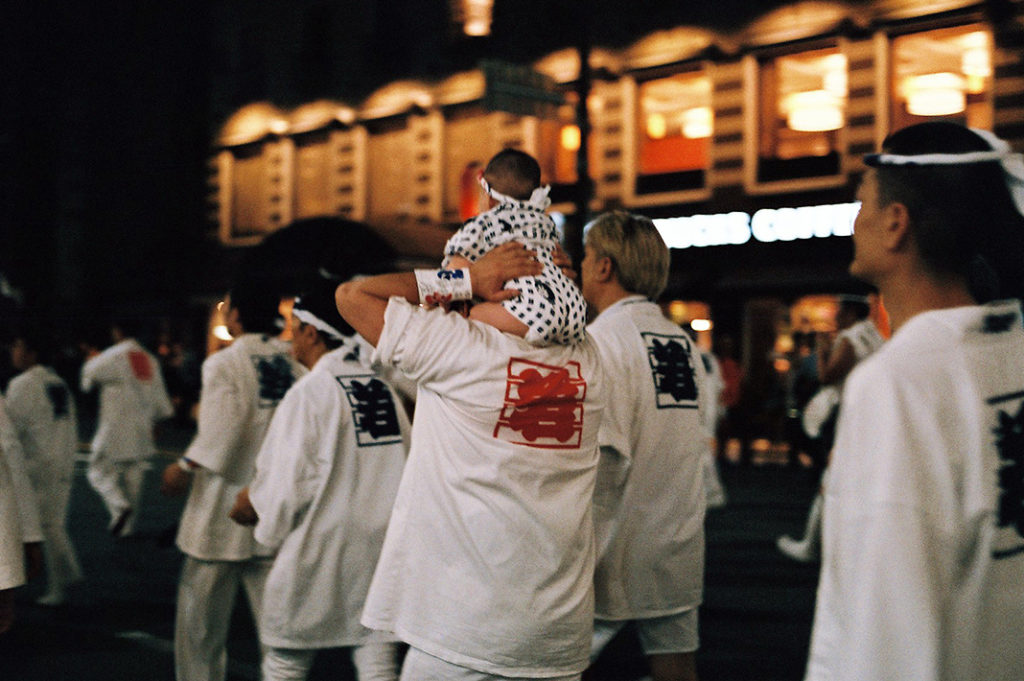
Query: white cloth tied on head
307	317
538	199
1012	162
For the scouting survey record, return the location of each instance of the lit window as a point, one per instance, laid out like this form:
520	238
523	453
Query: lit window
803	106
945	73
558	148
675	122
313	164
250	190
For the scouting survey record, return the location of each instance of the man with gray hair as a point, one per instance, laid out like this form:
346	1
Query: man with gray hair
650	501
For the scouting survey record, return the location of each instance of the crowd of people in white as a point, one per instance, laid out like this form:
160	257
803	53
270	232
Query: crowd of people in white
552	482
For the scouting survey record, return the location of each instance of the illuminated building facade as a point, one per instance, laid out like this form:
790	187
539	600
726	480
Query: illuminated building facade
745	146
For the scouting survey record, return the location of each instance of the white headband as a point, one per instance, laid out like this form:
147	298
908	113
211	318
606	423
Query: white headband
1012	163
307	317
538	199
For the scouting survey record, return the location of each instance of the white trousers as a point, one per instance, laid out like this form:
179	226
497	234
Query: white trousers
420	666
373	661
119	484
206	599
62	567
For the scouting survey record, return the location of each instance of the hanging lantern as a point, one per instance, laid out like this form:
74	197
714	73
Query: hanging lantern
657	127
813	111
570	137
935	94
697	122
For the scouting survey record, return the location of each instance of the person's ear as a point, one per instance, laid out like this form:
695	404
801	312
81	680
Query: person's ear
896	233
604	269
309	332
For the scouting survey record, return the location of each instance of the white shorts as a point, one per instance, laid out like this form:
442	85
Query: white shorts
419	666
658	635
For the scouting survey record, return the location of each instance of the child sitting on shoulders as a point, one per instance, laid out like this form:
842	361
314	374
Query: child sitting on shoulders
550	308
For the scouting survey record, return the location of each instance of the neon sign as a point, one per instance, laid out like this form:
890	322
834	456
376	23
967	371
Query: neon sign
766	225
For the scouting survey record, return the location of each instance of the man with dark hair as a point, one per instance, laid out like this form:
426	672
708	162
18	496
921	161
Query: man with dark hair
241	387
326	479
923	559
132	400
650	500
42	409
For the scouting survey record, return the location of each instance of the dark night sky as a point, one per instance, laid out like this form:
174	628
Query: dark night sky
108	110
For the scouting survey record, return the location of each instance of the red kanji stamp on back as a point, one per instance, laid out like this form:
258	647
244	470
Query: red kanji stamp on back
543	405
141	366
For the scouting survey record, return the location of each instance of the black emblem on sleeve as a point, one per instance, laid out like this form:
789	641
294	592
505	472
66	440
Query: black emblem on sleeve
1010	443
373	410
274	374
998	323
672	371
57	394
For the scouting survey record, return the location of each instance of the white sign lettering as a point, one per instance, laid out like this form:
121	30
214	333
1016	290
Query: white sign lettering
766	225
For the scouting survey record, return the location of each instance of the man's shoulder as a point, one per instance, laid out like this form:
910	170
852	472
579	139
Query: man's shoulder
341	361
23	381
634	317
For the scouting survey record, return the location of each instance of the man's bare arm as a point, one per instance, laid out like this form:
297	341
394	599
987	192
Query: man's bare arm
362	303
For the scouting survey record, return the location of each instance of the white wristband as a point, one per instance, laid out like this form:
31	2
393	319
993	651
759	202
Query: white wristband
187	465
443	286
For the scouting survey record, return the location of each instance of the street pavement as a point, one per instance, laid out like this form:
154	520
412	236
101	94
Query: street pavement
118	622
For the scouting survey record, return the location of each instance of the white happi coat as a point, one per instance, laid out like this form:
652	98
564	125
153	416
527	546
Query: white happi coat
242	386
488	559
28	510
863	337
132	399
12	553
650	500
326	479
42	409
923	564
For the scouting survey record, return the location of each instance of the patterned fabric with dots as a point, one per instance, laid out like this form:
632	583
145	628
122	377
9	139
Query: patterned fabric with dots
550	304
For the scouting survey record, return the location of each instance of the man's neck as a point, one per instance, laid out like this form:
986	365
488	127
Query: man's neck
906	297
314	355
608	296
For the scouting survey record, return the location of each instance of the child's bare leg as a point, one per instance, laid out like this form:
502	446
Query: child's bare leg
497	316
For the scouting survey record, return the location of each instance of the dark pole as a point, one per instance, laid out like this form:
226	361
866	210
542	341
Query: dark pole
584	185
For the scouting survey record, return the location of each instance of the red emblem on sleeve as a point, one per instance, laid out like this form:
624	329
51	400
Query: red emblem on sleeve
141	366
543	405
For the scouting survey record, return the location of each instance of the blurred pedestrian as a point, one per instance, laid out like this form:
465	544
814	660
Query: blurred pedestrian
730	429
132	400
858	338
42	409
30	525
326	479
241	388
12	556
650	501
923	563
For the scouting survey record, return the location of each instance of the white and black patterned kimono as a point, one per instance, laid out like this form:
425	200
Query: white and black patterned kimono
550	304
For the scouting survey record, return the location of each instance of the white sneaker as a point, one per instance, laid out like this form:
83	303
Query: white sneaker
800	551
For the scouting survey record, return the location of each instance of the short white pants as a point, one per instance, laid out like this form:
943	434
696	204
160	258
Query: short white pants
658	635
419	666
